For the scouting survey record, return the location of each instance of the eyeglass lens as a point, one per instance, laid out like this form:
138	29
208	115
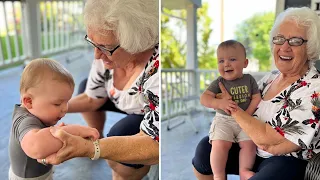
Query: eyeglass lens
294	41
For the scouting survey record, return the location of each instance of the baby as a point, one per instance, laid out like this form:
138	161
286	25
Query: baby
224	129
45	89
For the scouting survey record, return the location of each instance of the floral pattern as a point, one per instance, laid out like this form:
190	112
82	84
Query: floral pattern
296	112
151	114
147	74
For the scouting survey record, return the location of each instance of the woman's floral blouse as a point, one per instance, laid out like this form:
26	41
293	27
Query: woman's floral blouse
294	112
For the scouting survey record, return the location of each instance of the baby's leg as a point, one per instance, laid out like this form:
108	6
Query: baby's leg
219	157
247	157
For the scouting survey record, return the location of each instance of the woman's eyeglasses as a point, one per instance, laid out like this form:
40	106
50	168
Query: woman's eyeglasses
294	41
101	48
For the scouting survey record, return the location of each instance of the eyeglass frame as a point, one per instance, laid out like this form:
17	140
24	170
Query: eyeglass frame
303	40
101	48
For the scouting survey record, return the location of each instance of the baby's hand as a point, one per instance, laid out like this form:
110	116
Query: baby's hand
93	133
227	106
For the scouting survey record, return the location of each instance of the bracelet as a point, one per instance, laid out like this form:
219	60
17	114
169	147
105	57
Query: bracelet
96	150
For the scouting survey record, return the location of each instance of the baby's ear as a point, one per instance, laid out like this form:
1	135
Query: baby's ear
246	62
27	101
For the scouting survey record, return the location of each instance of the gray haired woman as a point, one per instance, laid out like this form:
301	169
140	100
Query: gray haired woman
124	78
285	126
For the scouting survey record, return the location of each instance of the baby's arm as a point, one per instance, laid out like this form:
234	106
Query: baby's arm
39	143
255	100
208	99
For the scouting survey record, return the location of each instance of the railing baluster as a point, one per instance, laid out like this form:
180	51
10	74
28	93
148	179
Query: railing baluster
189	89
63	14
60	21
56	36
80	42
184	87
51	28
8	45
24	32
78	25
73	24
206	77
179	88
45	27
1	53
16	45
68	25
172	92
166	94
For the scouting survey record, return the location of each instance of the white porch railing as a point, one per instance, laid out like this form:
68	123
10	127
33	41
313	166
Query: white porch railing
36	28
179	95
61	26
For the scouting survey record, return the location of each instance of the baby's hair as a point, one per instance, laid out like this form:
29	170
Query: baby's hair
42	69
232	43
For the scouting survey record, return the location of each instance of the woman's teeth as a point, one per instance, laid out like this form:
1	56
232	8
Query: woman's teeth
286	58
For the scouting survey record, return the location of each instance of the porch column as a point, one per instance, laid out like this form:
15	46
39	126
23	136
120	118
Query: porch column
280	4
192	46
31	13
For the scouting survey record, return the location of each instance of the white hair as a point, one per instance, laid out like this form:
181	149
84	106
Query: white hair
135	23
306	18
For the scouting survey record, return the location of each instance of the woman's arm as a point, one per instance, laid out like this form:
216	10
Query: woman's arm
39	143
137	149
84	103
263	135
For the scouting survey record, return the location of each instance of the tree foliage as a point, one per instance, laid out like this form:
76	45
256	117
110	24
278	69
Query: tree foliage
173	40
254	34
173	53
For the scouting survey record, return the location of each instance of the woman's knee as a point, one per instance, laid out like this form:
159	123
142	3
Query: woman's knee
291	168
130	125
121	171
201	159
82	86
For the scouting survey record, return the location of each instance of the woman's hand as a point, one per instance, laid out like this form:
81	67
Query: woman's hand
224	93
73	146
227	105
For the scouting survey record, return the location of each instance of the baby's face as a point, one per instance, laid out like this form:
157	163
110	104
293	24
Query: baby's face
231	61
50	101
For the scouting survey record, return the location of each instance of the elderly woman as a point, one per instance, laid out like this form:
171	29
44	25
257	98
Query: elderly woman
124	78
285	126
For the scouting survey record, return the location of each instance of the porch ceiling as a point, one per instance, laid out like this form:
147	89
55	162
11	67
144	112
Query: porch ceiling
179	4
